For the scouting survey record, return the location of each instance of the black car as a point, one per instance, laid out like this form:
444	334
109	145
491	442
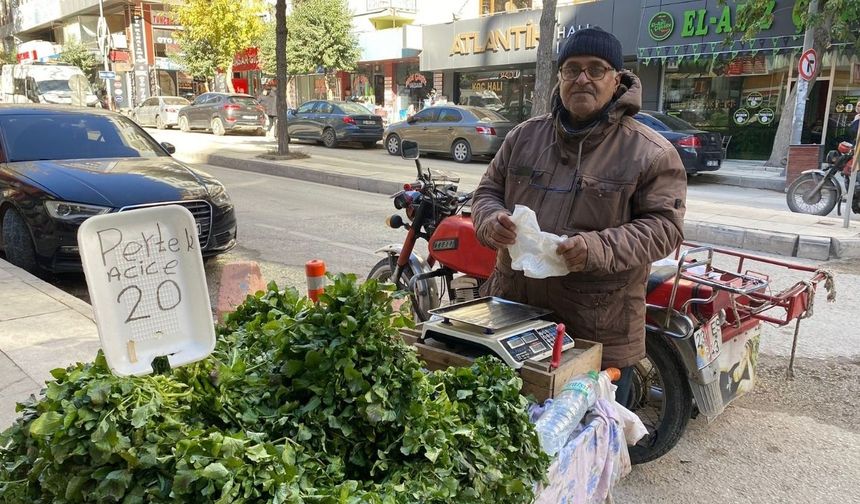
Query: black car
699	150
223	112
332	122
60	166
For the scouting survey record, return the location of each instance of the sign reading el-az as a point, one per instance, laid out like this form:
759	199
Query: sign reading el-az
698	22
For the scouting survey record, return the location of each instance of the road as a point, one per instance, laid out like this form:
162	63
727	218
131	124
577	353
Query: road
199	140
789	441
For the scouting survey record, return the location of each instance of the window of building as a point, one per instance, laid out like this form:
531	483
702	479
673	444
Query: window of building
507	92
843	103
490	7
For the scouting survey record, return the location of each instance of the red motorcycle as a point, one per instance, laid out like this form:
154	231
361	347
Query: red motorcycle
702	324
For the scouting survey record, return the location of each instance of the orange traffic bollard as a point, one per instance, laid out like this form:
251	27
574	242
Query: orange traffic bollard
315	273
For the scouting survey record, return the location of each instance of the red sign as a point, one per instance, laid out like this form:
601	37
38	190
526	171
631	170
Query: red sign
27	56
246	60
807	65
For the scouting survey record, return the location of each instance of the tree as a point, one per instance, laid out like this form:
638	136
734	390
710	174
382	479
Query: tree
321	39
77	54
215	30
830	20
281	33
545	75
194	57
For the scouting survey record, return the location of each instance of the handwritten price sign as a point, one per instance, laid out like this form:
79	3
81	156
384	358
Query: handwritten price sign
147	286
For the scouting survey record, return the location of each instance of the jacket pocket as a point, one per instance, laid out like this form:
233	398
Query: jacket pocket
599	312
597	206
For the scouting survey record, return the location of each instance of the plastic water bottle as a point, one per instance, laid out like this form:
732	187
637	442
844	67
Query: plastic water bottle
557	423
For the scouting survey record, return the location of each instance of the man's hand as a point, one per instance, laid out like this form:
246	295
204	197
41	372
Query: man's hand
575	253
502	232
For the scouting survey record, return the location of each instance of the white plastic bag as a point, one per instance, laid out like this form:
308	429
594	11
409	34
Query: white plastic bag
534	251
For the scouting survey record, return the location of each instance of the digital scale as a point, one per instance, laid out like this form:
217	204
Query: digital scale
512	331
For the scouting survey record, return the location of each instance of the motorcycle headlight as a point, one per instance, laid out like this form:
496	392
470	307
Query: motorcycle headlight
218	194
73	212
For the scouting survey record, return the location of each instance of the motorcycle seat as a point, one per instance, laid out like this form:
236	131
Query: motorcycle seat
659	275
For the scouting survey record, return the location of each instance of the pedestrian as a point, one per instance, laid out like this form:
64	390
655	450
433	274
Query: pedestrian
269	102
855	124
613	186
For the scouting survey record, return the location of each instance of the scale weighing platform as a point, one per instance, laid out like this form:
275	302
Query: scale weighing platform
512	331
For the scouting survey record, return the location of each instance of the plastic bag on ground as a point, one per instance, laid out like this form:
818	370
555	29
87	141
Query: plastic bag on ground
534	250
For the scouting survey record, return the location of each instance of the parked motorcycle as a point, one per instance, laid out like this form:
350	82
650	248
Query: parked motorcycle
702	323
818	191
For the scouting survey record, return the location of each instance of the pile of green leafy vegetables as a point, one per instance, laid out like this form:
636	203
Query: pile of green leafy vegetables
299	403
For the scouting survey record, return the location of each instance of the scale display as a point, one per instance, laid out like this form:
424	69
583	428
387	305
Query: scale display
512	331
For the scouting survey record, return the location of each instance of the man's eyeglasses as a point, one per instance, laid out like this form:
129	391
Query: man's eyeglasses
594	73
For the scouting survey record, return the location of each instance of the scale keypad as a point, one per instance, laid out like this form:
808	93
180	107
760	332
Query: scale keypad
533	342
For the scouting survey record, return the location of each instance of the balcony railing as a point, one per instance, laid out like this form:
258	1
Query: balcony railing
400	5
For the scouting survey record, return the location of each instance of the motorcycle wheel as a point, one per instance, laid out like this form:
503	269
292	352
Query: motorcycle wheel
382	272
662	399
800	201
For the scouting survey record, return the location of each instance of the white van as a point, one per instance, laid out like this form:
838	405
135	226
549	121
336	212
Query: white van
42	83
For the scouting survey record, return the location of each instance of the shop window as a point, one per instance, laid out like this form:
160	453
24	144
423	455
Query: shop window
742	97
508	92
843	103
490	7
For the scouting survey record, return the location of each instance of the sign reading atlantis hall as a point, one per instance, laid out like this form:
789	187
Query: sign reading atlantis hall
514	38
147	286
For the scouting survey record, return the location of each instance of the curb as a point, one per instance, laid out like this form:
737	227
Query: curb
751	182
819	248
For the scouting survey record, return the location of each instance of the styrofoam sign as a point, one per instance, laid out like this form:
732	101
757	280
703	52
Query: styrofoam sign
147	286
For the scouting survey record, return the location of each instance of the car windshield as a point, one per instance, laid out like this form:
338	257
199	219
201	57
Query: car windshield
74	136
53	86
353	109
175	101
673	123
487	115
243	100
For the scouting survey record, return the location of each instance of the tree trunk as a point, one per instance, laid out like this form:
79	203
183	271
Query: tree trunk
229	77
779	153
331	86
545	75
281	76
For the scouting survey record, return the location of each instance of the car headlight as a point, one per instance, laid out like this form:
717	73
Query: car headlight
218	194
73	212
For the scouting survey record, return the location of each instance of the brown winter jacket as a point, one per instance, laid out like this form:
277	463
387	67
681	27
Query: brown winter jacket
625	196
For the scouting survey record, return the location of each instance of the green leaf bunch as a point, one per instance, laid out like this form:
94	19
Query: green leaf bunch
300	402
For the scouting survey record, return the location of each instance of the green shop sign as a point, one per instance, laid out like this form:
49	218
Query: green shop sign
661	26
700	22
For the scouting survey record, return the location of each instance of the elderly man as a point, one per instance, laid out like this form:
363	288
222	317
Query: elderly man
590	171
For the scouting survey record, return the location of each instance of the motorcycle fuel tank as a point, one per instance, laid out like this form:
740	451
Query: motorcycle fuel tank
455	245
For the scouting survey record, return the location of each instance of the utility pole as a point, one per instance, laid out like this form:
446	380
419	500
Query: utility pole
103	38
802	84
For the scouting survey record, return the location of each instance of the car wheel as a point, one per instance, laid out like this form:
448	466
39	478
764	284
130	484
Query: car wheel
159	123
461	151
392	144
183	124
217	127
329	138
18	243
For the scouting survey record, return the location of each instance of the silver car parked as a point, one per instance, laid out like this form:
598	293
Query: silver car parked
159	111
458	130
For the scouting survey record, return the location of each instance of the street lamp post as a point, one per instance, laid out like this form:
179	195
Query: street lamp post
103	34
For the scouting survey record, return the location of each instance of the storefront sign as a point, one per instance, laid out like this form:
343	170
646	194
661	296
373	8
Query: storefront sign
661	26
514	38
246	60
495	86
141	70
765	116
416	81
754	100
161	18
741	116
509	74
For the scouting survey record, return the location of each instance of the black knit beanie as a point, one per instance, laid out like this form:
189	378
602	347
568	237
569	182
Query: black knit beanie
592	42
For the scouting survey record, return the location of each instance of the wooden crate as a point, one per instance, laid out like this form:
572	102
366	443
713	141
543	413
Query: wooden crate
538	379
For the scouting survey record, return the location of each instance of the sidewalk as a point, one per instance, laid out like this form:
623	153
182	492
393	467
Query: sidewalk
771	231
41	328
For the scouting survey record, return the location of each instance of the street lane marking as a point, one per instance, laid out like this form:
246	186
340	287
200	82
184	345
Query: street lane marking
306	236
